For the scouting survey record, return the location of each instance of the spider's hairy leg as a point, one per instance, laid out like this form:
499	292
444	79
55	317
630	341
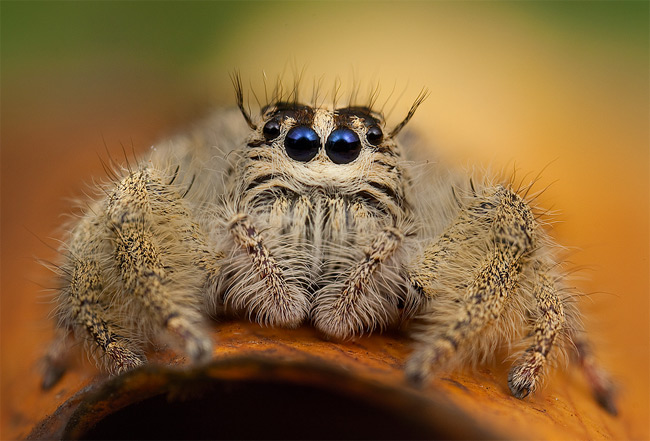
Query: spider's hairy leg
526	371
482	304
351	310
280	303
602	385
153	236
83	306
482	250
55	361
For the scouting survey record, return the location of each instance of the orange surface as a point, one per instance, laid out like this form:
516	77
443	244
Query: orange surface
565	410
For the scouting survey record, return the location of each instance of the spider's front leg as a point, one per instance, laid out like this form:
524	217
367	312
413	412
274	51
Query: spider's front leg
469	275
136	265
265	288
346	309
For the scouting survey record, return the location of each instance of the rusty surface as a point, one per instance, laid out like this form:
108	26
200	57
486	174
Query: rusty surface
307	382
477	402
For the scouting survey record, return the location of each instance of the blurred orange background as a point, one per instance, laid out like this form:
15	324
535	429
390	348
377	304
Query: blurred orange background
563	84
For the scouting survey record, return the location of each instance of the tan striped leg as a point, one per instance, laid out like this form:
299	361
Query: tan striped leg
280	304
496	225
483	303
135	270
83	308
352	310
141	212
526	371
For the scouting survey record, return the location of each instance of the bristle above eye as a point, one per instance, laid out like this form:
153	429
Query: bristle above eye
418	101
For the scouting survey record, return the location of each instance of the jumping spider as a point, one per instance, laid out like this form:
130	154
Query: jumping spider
308	214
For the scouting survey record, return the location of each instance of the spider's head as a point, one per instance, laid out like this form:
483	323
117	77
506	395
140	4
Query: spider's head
343	152
306	133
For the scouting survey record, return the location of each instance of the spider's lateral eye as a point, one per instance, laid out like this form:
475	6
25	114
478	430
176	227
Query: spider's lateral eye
343	146
302	143
374	135
271	130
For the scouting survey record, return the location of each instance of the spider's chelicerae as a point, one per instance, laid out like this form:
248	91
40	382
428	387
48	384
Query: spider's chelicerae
312	214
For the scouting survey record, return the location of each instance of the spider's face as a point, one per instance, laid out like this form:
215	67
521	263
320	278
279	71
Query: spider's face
314	135
299	150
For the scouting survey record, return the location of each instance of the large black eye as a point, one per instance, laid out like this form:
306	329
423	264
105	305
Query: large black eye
374	135
271	130
343	146
302	143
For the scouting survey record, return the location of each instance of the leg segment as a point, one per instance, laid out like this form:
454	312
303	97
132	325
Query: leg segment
55	361
452	322
83	308
482	304
89	311
352	308
135	271
524	375
279	303
602	386
152	240
487	244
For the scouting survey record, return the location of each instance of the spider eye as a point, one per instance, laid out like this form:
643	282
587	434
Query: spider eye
302	143
374	135
271	130
343	146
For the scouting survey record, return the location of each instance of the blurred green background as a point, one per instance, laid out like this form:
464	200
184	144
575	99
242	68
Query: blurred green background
501	74
528	83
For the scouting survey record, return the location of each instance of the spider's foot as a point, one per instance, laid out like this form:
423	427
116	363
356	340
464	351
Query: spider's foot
53	372
123	359
522	380
56	361
602	386
338	324
194	342
426	359
288	310
607	401
199	348
418	369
